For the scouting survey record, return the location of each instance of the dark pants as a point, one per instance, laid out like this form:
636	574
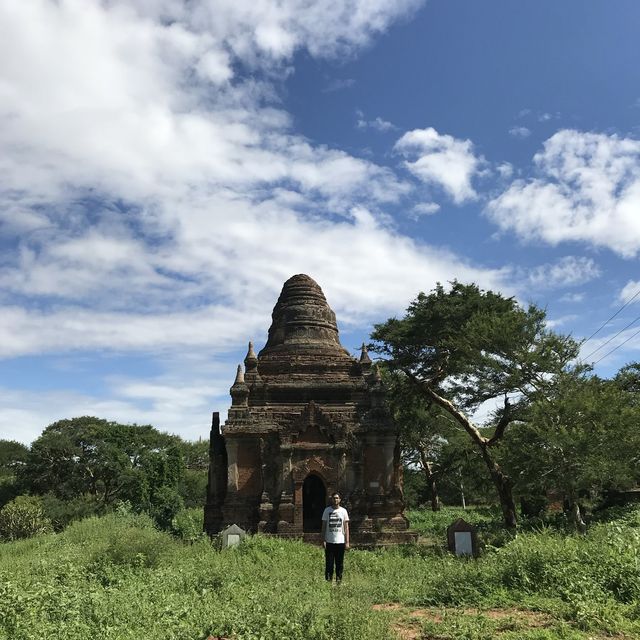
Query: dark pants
333	554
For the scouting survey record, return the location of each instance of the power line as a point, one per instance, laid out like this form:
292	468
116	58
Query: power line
615	348
606	322
612	338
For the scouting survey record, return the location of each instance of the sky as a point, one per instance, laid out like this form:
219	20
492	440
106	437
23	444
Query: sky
165	165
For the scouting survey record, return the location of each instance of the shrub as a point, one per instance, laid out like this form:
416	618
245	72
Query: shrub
166	503
188	524
23	517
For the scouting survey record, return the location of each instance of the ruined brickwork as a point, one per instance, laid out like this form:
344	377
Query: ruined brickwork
306	419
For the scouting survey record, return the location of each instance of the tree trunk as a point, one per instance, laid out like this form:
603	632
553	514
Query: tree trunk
501	480
435	500
504	487
431	481
576	518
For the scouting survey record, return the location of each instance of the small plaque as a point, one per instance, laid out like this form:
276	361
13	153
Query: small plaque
232	536
462	539
463	543
374	485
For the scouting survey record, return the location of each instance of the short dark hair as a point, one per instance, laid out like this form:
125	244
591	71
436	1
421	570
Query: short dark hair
335	493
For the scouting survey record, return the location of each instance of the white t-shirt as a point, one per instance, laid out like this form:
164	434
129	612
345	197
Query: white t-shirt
335	519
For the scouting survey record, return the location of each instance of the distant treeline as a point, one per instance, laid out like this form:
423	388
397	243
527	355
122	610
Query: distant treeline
89	466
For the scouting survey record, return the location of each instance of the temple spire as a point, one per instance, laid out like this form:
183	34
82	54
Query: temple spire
250	360
364	356
239	391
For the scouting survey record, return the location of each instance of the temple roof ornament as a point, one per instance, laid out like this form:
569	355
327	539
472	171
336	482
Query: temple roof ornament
364	356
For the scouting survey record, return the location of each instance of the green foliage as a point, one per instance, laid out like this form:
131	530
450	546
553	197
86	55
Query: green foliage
117	576
89	464
458	348
13	456
187	524
23	517
580	440
166	503
473	344
62	512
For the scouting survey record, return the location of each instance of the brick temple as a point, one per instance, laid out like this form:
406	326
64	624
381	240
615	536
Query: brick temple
306	419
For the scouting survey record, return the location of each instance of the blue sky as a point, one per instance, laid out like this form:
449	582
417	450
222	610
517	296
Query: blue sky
165	166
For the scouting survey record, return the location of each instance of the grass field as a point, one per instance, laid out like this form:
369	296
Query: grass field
119	577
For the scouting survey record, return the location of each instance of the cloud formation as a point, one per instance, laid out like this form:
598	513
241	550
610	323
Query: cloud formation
519	132
441	160
630	292
568	271
152	189
587	190
378	123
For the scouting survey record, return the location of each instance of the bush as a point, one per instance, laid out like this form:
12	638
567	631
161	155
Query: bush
23	517
188	524
63	512
166	503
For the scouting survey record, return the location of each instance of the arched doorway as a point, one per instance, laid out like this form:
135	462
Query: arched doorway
314	501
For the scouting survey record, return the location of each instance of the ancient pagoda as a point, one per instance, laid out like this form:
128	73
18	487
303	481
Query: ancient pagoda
306	419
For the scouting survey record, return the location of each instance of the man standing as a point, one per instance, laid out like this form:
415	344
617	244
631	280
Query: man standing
335	537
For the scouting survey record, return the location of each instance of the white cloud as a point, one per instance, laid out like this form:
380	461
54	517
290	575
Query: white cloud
181	406
519	132
426	208
442	160
337	84
588	190
505	170
631	291
568	271
608	348
572	297
377	123
158	199
554	323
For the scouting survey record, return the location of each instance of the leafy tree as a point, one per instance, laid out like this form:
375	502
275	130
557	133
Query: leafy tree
13	456
463	347
193	485
431	441
105	460
580	440
23	517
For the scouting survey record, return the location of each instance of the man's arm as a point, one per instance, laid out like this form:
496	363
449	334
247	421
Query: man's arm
324	528
346	534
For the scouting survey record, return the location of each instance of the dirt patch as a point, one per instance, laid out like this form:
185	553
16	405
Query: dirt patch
408	626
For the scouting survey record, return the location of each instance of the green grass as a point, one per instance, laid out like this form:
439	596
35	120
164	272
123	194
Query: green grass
119	577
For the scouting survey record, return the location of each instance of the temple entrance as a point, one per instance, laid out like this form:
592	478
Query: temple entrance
314	501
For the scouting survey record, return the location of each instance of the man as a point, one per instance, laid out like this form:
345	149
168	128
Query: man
335	537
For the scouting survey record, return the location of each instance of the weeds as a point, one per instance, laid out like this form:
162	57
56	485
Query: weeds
119	577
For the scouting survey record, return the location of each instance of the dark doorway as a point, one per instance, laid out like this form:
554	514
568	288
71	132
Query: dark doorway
314	501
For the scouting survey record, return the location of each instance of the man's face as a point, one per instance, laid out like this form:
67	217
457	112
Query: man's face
335	500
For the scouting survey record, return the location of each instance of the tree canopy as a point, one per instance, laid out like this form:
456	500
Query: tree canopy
462	347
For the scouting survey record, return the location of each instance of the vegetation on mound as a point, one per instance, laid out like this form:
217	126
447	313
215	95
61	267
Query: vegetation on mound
118	576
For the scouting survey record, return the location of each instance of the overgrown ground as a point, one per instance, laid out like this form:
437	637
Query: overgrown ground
118	577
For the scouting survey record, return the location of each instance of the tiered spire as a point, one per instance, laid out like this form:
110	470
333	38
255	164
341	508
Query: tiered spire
239	391
365	360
